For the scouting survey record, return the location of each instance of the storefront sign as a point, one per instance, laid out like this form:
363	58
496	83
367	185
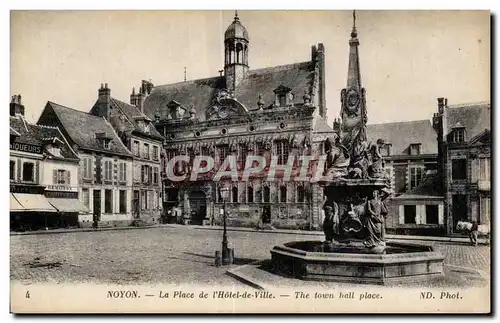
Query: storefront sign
26	189
27	148
65	188
61	194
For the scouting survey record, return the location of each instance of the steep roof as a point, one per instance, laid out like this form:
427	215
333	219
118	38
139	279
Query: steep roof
131	112
40	135
82	127
200	93
402	134
475	117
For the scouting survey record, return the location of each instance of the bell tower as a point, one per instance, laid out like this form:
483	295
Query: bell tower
235	53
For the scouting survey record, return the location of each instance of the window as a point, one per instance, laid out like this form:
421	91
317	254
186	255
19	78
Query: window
137	148
459	169
386	151
56	151
155	152
249	194
87	167
61	176
105	143
143	200
28	172
300	194
123	201
242	155
282	150
234	194
282	100
260	149
85	197
267	194
155	175
416	174
415	149
12	170
223	152
432	214
458	135
283	194
108	201
410	214
146	174
123	172
146	151
108	170
484	169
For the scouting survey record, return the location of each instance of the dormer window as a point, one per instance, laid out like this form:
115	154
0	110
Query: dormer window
173	109
53	145
103	139
458	133
415	149
283	97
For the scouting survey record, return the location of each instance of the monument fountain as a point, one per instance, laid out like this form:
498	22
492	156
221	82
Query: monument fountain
355	189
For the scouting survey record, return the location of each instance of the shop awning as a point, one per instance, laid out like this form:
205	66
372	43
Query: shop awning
34	202
67	205
15	205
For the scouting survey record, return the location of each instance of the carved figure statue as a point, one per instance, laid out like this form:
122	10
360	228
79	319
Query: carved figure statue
374	220
337	159
361	162
376	169
331	222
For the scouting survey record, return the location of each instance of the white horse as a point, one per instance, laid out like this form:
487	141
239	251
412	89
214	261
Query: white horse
483	230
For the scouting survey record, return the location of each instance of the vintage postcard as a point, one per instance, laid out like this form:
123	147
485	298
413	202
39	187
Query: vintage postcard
250	162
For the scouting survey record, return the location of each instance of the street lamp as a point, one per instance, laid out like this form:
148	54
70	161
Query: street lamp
227	254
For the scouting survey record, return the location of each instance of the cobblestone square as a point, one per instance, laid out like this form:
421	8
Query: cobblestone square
166	255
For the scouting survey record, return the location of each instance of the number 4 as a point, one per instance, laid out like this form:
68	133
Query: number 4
27	294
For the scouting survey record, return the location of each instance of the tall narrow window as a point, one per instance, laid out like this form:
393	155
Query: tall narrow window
235	194
108	201
137	148
155	175
223	152
28	172
242	155
155	152
458	135
267	194
123	172
432	213
282	150
410	214
282	100
108	170
459	169
12	170
283	194
484	169
87	167
250	194
300	194
123	201
146	151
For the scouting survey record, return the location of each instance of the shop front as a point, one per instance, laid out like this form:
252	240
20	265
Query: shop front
65	200
29	208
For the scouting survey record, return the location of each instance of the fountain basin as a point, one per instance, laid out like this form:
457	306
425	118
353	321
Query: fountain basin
312	260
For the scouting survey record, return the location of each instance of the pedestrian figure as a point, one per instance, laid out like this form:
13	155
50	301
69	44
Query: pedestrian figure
473	233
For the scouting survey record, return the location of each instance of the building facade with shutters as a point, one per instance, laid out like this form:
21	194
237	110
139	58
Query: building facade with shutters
104	181
464	142
139	135
43	175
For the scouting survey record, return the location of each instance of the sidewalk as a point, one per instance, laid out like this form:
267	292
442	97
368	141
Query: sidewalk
242	229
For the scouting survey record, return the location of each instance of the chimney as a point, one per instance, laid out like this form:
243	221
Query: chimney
103	101
16	107
441	105
320	57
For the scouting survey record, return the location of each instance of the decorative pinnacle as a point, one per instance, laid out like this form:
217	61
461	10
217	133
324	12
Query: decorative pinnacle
236	18
354	32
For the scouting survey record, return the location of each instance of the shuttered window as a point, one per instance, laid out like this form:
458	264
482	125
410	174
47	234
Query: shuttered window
61	176
123	172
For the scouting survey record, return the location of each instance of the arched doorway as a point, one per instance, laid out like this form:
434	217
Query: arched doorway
198	204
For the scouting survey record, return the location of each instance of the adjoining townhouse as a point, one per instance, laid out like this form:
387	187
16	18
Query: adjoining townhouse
104	181
410	153
464	142
43	175
139	135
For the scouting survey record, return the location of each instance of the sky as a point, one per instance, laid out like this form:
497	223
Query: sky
408	58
